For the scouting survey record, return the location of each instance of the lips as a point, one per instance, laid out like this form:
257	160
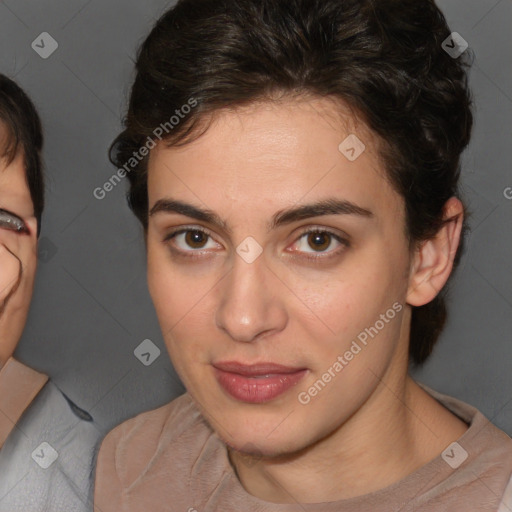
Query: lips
256	383
256	370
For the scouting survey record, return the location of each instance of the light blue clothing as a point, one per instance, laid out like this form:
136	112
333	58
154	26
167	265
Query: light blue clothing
71	435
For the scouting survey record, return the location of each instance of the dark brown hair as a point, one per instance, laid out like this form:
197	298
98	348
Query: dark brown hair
23	132
384	58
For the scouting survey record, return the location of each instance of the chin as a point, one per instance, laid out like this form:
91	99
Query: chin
279	449
258	443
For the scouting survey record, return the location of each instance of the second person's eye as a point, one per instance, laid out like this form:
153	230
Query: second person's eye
12	222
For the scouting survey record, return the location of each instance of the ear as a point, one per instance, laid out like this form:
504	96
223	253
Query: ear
433	260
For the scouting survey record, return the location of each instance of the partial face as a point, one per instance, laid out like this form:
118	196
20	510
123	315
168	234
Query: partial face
270	251
18	255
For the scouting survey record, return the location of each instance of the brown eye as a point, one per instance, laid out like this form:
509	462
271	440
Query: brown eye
196	239
188	241
318	244
319	241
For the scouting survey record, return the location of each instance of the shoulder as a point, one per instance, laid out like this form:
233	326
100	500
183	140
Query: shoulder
46	462
167	453
506	502
147	428
55	416
481	458
130	448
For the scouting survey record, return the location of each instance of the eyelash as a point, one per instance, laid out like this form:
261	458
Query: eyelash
12	222
194	254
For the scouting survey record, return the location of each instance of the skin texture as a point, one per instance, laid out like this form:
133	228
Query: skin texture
18	255
371	425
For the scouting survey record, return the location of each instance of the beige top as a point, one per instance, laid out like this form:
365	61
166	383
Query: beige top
19	385
170	459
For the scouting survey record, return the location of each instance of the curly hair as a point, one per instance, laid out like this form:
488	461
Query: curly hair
382	58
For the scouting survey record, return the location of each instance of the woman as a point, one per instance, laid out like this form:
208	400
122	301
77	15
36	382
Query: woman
295	164
46	441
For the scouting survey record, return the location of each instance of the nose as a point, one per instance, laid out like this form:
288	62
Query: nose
250	307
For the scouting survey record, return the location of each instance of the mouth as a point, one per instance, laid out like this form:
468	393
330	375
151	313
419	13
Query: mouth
256	383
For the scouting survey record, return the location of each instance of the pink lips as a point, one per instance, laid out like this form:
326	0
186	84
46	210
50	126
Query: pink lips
256	383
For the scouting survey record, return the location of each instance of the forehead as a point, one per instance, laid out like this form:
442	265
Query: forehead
274	152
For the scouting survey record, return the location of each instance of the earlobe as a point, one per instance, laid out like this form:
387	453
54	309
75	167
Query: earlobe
433	260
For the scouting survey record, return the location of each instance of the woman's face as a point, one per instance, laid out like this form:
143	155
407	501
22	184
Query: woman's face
18	253
279	269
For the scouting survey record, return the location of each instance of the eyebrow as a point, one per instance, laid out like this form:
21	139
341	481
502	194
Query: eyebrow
329	206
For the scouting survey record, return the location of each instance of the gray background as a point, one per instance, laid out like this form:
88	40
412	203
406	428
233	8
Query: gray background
91	307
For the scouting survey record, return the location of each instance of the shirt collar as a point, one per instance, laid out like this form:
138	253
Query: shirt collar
19	385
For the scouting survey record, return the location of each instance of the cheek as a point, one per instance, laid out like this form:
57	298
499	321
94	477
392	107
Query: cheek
23	248
180	298
164	287
348	360
349	307
9	272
